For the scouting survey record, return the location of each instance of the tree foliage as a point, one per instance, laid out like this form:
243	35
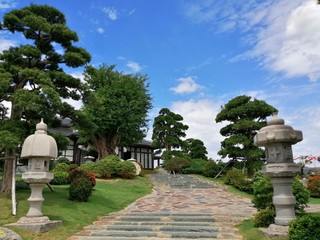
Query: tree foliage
31	75
246	117
194	148
117	105
168	130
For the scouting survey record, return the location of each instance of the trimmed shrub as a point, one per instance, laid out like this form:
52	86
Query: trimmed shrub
262	191
314	186
306	227
108	167
63	160
212	168
72	167
127	169
239	180
61	167
264	217
88	166
59	178
80	190
176	164
197	166
78	173
302	195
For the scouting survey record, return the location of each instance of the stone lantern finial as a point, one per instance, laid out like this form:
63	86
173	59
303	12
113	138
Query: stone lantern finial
41	127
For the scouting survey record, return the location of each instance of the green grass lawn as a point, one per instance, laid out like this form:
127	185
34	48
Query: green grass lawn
107	196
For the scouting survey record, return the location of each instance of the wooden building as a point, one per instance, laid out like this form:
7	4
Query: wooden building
142	152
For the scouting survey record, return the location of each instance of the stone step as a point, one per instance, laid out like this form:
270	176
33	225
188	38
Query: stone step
147	238
149	223
160	225
162	228
147	234
151	218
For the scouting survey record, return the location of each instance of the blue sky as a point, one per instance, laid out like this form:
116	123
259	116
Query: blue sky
199	54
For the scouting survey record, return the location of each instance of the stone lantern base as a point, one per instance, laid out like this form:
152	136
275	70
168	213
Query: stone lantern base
36	224
275	231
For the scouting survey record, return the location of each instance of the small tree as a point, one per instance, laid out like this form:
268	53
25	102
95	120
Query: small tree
168	130
246	117
194	148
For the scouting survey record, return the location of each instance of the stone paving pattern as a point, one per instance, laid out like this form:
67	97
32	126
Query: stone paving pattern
180	207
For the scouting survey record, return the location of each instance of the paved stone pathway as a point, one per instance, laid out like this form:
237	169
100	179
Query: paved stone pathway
180	207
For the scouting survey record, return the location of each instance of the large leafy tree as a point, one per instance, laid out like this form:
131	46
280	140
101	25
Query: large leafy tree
245	116
117	105
32	78
194	148
168	130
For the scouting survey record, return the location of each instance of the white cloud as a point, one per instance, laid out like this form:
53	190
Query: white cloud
200	116
78	75
290	42
283	35
6	44
305	119
100	30
111	12
186	85
5	4
134	66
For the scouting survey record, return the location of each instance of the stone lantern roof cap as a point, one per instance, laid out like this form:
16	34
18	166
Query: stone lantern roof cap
275	132
40	144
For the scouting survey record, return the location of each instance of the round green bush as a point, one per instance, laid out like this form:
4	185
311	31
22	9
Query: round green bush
262	192
63	160
59	178
108	167
77	173
264	217
197	166
61	167
302	195
306	227
89	166
239	180
212	168
176	164
80	190
72	166
127	169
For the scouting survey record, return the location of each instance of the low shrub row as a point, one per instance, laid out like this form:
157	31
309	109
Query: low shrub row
207	168
110	167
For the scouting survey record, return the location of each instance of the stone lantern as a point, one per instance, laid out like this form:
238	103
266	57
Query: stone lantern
277	138
39	149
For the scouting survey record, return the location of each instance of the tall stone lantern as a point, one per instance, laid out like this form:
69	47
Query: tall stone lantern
39	149
278	138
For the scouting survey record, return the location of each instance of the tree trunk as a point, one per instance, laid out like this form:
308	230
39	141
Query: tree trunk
106	145
9	156
6	186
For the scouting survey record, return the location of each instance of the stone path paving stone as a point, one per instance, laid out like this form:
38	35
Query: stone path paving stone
180	207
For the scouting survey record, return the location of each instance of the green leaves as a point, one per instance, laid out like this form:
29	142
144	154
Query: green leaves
168	129
117	104
246	117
